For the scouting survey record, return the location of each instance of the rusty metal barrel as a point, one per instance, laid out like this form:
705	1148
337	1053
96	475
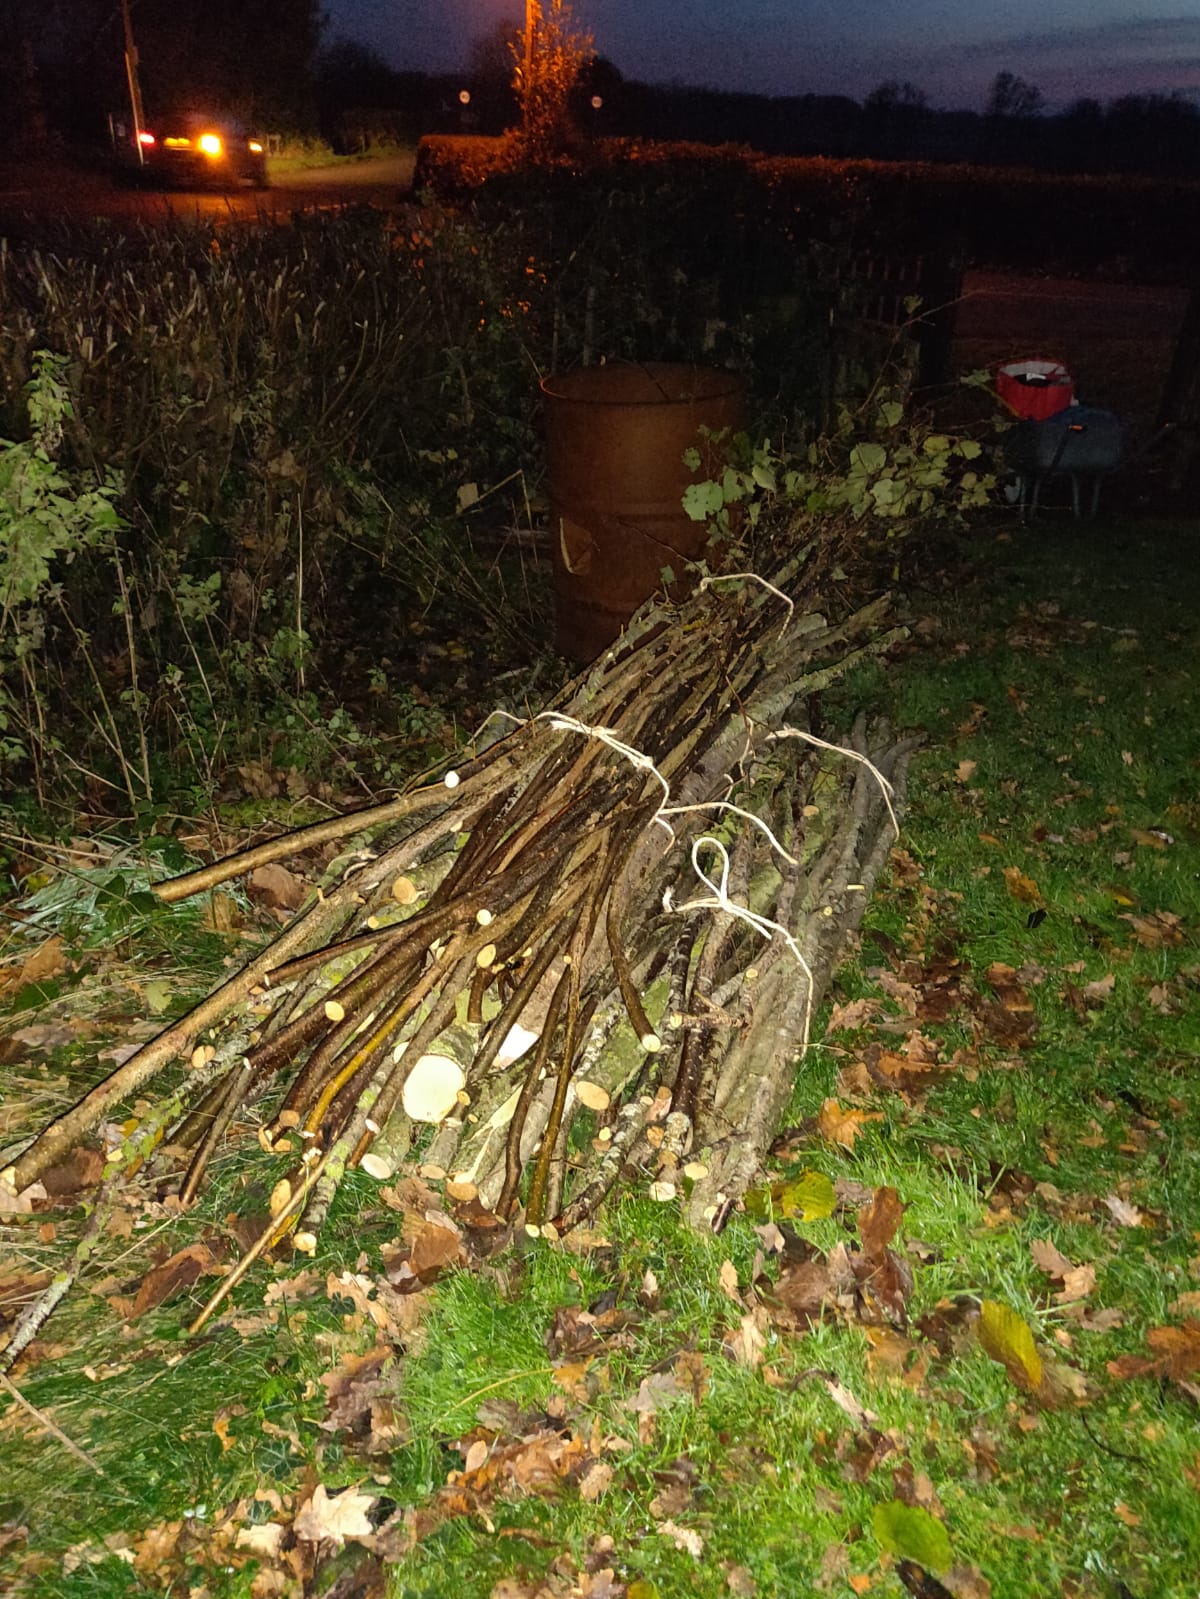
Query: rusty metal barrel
615	440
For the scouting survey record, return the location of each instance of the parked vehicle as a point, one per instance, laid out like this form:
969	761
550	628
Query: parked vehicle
196	150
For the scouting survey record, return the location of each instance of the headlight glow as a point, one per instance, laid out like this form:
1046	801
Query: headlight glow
210	144
256	147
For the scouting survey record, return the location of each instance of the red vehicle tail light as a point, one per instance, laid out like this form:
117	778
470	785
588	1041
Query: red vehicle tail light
146	137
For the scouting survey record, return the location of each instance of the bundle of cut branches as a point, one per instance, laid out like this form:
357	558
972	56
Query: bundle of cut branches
590	955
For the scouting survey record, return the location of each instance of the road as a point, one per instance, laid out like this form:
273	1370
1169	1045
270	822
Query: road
46	192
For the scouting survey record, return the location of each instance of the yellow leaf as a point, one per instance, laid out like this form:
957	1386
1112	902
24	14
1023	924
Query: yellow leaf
1007	1339
1021	887
811	1196
571	1378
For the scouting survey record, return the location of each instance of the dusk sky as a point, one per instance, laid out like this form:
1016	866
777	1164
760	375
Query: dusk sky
950	48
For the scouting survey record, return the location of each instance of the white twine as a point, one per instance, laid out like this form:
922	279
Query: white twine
718	897
754	577
839	749
636	757
719	900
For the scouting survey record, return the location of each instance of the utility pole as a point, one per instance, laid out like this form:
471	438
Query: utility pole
131	73
533	11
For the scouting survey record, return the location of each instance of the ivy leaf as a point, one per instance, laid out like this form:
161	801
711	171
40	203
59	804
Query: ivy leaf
702	500
1007	1339
868	458
890	413
913	1534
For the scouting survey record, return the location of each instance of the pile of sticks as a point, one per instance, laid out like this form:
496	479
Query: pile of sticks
588	956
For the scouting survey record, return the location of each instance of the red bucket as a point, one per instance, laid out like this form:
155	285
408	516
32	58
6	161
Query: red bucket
1035	389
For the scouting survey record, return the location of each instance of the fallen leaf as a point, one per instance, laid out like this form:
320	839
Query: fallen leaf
728	1279
153	1552
888	1353
1007	1339
334	1519
747	1342
1122	1212
964	771
1049	1258
183	1268
855	1013
1097	992
47	1036
1148	839
1176	1354
1156	930
1021	887
878	1222
910	1531
848	1404
799	1295
263	1538
434	1246
1077	1284
363	1392
842	1125
571	1377
691	1373
682	1537
276	887
46	961
740	1582
83	1168
595	1482
220	1426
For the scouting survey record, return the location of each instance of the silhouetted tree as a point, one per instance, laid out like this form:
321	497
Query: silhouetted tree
1011	96
350	74
494	54
892	95
493	65
254	57
1153	133
892	113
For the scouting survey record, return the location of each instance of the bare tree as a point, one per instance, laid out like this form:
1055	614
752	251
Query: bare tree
892	95
1011	96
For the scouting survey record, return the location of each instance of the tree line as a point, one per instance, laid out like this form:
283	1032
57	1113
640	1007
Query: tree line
64	71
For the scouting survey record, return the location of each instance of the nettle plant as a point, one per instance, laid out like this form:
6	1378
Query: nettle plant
876	463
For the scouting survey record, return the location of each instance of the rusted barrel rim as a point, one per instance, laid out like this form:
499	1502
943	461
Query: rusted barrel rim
655	383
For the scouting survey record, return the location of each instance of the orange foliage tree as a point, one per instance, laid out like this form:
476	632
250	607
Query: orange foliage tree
551	54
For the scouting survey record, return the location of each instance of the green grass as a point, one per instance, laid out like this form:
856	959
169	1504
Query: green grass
1081	723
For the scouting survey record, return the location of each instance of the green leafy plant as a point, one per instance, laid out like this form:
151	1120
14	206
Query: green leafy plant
878	464
48	517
